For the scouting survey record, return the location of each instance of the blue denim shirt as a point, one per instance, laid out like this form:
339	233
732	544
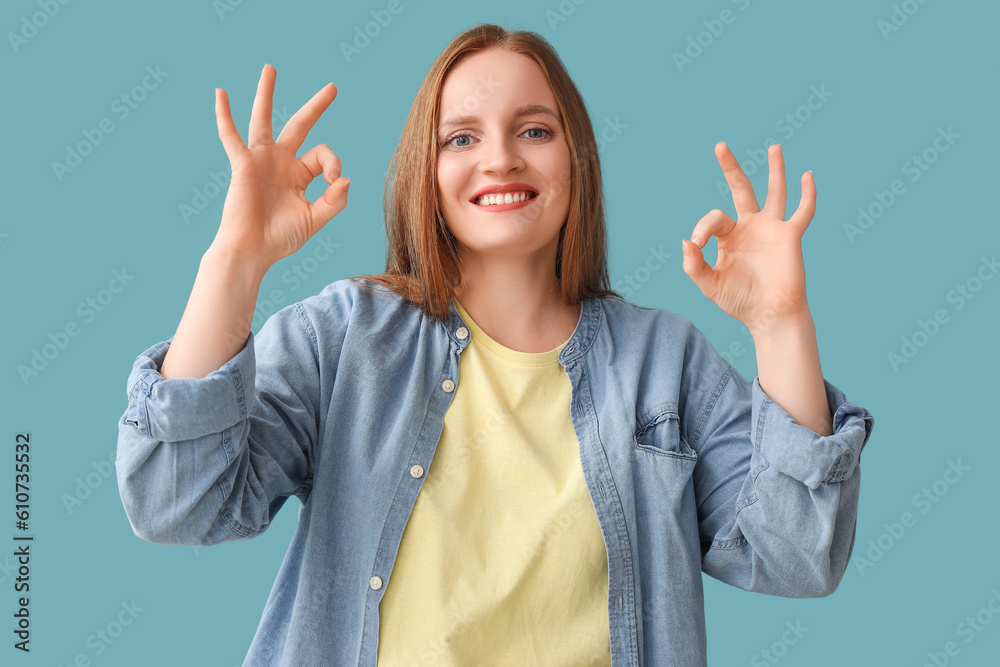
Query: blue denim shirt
690	468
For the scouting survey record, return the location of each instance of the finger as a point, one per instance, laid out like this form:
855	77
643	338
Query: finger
261	131
230	136
714	222
298	126
333	201
776	190
695	266
322	160
807	204
739	184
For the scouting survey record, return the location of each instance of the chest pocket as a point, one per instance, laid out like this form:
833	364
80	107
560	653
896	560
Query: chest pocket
662	435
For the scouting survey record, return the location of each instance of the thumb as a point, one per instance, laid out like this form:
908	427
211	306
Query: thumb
697	268
332	201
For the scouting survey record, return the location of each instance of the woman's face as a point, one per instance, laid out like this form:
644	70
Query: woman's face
500	133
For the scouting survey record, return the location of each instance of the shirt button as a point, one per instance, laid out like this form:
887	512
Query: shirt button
416	471
462	333
376	583
448	386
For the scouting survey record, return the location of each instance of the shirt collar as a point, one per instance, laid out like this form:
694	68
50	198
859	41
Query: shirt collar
591	317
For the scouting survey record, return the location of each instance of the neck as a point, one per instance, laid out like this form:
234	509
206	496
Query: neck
517	302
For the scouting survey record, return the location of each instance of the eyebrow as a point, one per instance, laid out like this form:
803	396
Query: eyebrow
524	110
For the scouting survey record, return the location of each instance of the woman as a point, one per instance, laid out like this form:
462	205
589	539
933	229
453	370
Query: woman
590	457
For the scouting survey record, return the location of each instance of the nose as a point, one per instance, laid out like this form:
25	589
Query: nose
500	155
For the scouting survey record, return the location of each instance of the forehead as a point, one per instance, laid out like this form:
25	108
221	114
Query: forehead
494	80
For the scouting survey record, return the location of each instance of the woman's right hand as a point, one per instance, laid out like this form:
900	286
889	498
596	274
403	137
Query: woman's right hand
266	215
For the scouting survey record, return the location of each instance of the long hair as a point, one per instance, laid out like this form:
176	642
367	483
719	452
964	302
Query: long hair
422	264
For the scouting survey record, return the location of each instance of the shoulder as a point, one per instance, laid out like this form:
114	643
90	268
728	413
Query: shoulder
343	315
347	295
624	316
660	336
356	304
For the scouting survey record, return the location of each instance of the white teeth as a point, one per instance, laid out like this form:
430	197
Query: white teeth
505	198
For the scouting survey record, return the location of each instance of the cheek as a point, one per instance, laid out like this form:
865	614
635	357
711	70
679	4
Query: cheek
556	166
449	178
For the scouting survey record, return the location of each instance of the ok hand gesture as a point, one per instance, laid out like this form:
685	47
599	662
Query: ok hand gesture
266	215
758	277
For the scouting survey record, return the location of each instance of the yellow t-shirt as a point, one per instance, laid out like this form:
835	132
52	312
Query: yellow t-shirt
502	561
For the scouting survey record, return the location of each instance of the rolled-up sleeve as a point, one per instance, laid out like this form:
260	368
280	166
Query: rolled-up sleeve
800	452
207	460
777	502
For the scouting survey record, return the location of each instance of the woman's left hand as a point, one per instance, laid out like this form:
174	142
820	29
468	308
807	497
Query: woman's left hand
758	277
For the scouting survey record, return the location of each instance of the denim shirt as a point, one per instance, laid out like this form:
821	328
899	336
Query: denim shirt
340	401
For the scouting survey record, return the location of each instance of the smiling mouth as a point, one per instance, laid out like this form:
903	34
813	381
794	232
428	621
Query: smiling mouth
504	198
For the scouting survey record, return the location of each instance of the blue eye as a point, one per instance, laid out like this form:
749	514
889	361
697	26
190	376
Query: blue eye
453	140
450	141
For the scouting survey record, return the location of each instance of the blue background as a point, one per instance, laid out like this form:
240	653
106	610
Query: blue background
888	94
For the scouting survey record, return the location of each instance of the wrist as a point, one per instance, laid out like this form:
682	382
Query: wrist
797	318
244	267
771	325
